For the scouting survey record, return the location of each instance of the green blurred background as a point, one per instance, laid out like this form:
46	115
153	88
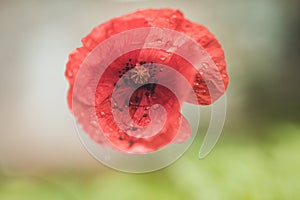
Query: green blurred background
257	156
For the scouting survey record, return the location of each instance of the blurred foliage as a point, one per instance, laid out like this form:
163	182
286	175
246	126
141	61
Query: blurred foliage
274	94
240	167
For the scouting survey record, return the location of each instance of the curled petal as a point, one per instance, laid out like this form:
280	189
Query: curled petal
153	119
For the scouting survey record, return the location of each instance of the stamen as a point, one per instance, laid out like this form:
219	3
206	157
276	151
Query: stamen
140	74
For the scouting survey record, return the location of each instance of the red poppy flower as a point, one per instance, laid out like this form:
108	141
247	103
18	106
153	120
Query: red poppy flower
149	117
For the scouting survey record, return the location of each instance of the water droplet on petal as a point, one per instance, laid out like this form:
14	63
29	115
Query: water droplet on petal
205	65
155	106
163	58
169	44
69	74
150	23
94	123
115	106
102	113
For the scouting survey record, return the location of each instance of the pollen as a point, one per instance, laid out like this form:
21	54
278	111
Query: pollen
139	74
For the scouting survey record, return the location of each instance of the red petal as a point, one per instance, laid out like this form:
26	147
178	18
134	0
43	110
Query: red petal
184	132
164	18
125	139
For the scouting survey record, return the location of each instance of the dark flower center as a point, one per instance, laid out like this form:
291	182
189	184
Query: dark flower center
138	74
